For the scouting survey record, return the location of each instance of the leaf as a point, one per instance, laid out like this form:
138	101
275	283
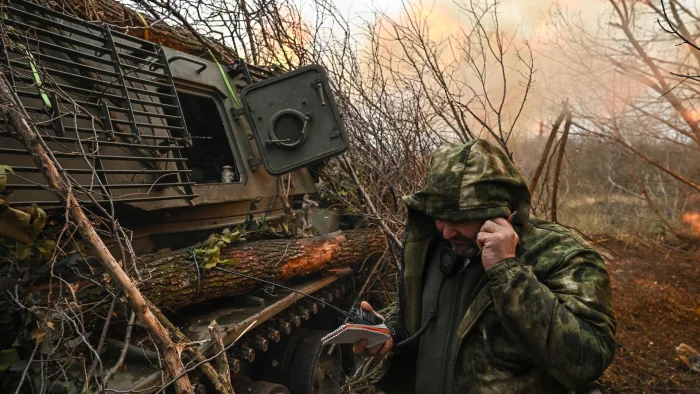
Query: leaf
231	262
38	334
71	259
210	265
211	254
226	238
252	205
39	220
3	175
7	358
22	252
4	202
47	347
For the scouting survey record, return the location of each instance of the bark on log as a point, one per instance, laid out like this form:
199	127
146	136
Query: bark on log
119	15
171	278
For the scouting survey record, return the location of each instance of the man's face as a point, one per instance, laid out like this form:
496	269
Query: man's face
462	235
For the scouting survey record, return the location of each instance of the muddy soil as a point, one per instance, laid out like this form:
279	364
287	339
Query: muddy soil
657	304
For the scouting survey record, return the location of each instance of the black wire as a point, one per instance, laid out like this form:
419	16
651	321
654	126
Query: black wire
427	322
344	313
418	333
199	279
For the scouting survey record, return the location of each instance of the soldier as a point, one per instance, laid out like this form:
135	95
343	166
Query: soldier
487	304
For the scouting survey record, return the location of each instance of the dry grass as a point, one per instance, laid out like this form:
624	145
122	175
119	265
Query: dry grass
617	215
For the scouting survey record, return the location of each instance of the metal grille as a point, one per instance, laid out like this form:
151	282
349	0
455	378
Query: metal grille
105	104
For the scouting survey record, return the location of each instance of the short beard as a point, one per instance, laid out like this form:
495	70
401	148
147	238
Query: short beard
462	249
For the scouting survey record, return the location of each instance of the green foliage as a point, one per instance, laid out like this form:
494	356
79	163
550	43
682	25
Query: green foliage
7	358
15	224
4	200
40	249
209	256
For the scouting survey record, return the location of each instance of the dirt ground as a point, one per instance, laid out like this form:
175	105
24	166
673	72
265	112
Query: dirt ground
657	305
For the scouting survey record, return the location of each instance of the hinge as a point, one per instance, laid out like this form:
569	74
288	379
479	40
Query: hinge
253	162
236	112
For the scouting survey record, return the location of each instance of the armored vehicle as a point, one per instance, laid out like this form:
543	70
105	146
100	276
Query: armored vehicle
179	146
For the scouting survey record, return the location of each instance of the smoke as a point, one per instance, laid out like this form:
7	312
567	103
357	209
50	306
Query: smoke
541	27
420	36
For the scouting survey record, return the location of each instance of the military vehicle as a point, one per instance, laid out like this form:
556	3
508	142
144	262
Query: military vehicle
181	146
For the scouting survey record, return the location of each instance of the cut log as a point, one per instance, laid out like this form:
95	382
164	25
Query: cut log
171	279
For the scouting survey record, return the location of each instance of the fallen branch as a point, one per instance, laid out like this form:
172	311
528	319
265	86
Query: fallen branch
17	117
224	350
220	385
222	369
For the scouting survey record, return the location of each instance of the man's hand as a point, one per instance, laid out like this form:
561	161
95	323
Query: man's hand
378	350
497	241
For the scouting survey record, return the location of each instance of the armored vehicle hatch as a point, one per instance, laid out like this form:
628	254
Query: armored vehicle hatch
163	135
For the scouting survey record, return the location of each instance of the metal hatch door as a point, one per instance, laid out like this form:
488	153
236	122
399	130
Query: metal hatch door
294	119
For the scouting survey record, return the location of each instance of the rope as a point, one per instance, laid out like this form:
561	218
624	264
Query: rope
228	84
199	279
146	33
35	69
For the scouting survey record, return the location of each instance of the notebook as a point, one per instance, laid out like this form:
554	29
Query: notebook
351	333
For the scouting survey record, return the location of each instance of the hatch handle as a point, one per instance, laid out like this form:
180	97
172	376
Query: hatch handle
189	59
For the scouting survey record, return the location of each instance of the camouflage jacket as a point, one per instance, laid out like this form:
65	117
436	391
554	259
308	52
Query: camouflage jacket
542	322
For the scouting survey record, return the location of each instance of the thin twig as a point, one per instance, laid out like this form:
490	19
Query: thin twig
251	325
29	363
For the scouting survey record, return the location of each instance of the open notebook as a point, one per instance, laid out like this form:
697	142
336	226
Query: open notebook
351	333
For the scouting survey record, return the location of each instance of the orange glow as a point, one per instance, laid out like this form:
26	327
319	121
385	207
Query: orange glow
282	47
693	220
694	115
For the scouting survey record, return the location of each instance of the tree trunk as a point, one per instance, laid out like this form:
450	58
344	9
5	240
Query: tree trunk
547	148
557	169
172	280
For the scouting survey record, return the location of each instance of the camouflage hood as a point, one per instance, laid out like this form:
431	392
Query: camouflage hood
471	181
538	323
